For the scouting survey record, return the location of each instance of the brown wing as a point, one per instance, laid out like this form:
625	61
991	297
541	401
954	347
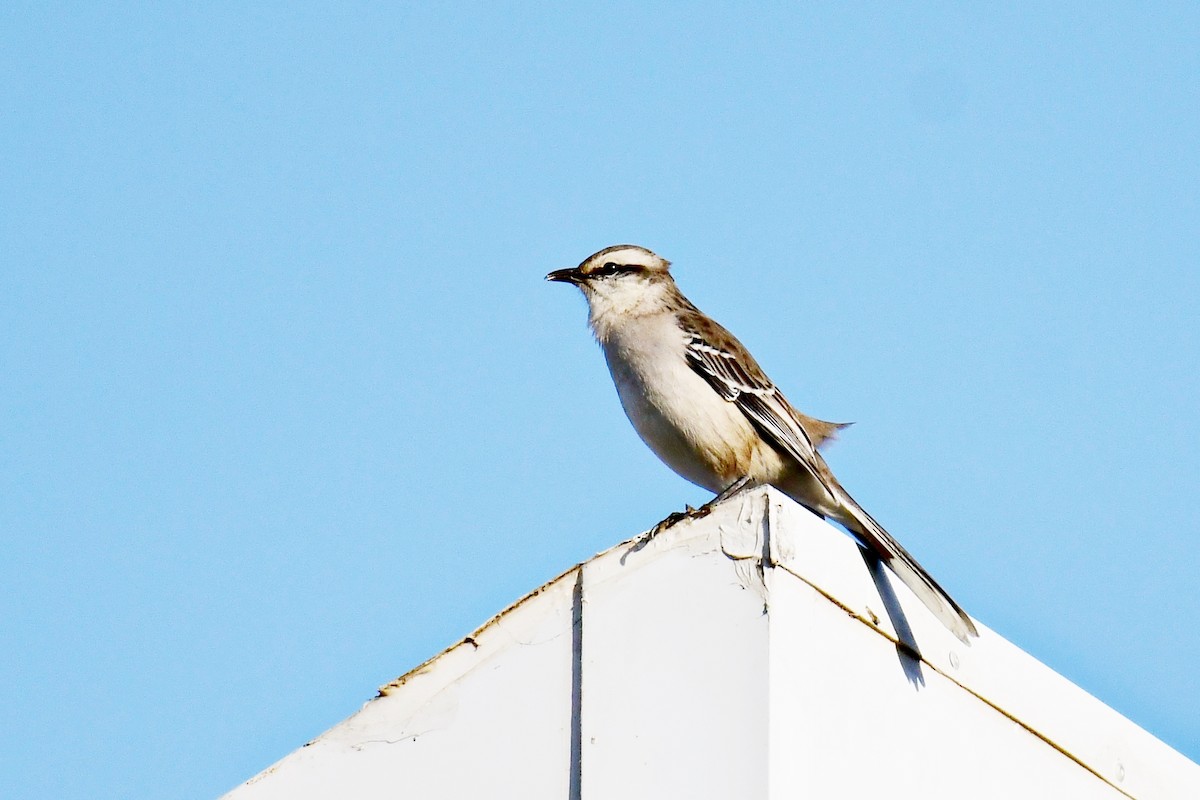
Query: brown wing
718	357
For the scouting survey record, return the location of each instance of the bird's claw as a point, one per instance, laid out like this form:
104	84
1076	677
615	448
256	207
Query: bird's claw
679	516
672	518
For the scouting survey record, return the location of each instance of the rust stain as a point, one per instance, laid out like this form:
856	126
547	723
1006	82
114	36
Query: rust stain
1006	714
472	639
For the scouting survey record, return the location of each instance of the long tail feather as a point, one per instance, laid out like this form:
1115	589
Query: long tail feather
905	567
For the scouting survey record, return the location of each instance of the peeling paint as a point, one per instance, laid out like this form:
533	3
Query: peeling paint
747	542
438	713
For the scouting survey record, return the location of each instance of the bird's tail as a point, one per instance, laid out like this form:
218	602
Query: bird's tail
905	567
819	431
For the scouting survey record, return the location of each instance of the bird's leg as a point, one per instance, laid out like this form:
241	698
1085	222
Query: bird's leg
697	513
729	491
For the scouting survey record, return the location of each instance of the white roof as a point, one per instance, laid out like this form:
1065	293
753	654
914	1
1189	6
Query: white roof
752	653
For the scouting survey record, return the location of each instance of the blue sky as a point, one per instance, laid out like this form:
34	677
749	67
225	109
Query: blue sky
287	408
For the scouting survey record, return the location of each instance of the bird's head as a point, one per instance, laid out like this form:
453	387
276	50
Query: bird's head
623	278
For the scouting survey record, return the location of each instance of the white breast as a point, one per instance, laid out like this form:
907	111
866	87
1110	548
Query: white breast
697	433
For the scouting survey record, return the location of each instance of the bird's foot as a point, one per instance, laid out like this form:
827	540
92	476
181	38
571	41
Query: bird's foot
671	519
692	513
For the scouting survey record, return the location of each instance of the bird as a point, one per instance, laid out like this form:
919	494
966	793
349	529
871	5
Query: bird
704	406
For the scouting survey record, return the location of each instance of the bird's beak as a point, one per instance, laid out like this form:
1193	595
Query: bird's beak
572	275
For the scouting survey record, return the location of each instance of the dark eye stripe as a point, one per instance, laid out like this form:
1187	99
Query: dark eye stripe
612	268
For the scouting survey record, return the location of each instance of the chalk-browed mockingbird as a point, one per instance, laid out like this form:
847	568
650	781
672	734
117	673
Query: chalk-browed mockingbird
701	402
